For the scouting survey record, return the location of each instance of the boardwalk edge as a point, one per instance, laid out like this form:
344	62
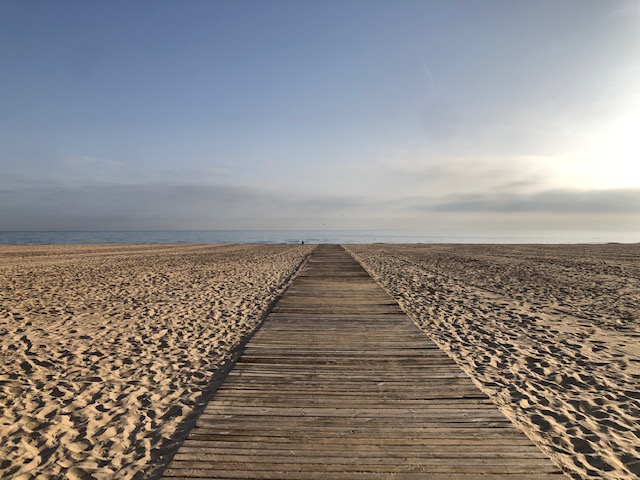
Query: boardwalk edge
162	460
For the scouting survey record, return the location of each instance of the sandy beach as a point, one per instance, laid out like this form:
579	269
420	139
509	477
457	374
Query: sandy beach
551	333
106	350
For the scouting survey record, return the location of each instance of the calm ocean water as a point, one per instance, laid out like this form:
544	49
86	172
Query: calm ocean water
308	236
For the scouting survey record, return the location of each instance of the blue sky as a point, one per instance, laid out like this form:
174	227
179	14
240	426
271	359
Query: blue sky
481	116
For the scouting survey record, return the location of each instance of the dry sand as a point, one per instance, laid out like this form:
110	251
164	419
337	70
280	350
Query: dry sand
106	350
551	333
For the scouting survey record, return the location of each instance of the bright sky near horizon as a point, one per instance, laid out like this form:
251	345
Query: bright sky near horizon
421	115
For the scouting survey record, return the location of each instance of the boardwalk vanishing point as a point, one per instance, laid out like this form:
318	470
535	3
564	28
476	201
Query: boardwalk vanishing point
339	384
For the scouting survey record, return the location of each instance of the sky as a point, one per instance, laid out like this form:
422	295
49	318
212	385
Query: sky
508	116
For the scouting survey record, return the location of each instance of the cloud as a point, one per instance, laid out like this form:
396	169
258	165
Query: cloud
409	195
173	206
83	169
421	173
551	201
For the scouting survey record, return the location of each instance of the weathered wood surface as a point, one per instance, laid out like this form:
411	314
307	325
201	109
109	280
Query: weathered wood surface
340	384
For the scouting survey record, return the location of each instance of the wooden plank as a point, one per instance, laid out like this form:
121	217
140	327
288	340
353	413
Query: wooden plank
349	441
471	433
288	475
340	384
349	463
444	449
474	466
260	470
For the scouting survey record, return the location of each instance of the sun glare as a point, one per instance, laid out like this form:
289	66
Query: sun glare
608	159
621	142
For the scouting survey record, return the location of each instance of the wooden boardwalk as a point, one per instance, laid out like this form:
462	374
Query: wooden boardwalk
340	384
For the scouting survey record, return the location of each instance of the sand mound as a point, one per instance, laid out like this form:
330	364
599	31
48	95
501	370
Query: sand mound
551	333
105	350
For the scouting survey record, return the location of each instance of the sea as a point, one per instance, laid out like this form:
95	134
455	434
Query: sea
307	236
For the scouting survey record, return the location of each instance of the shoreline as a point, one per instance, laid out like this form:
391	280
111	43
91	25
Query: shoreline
292	237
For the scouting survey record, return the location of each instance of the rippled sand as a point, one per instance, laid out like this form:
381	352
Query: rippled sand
551	333
105	351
